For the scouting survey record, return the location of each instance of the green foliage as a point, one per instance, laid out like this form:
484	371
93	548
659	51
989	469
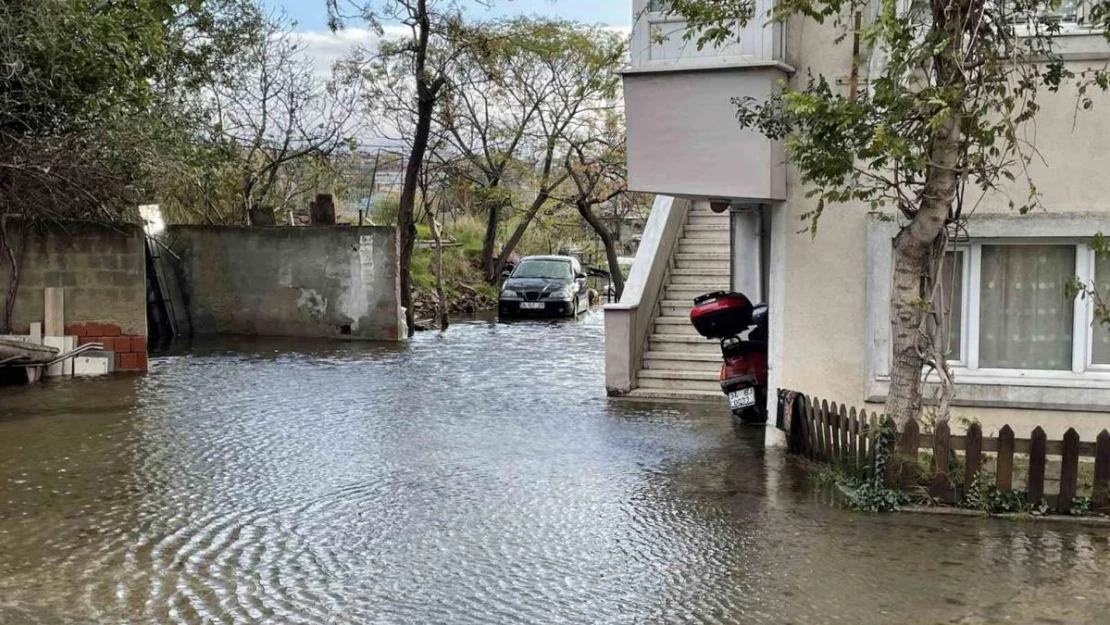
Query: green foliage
1080	506
384	212
1075	288
96	97
869	493
873	497
989	499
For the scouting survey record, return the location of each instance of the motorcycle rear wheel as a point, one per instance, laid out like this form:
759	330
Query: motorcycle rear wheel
753	415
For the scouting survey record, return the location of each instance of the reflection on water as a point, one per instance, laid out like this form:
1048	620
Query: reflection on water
475	477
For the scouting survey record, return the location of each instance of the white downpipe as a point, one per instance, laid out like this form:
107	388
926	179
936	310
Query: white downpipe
628	322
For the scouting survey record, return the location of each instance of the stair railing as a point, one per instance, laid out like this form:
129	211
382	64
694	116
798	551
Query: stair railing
628	322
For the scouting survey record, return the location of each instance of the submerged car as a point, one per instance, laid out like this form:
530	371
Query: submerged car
545	286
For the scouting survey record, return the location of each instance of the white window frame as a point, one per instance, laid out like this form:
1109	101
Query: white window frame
967	368
1088	391
1080	27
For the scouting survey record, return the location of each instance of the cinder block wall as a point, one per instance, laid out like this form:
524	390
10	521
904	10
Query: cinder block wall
103	272
290	281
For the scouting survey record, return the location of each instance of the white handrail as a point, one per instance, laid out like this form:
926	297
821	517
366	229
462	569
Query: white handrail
628	322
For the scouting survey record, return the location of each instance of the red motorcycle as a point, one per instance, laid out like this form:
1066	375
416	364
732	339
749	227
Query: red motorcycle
741	327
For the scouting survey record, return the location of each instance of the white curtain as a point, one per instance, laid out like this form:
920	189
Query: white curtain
1025	319
1100	342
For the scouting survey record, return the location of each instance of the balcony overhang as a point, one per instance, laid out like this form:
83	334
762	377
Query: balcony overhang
683	137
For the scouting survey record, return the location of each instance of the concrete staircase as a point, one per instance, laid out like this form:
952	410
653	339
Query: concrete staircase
678	362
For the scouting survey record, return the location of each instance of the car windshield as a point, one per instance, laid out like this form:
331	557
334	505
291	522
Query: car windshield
543	268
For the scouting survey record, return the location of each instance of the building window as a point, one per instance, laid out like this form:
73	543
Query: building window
1006	310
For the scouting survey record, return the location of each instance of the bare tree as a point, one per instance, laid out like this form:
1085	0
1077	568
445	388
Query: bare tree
406	78
274	110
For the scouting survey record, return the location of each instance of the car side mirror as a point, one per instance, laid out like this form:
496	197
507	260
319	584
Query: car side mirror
579	276
505	274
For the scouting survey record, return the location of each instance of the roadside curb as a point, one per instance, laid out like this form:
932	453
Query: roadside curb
1095	521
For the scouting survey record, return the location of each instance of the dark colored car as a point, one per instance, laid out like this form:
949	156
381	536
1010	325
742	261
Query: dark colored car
552	286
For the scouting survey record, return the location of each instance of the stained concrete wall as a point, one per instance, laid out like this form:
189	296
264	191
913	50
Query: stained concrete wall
290	281
101	268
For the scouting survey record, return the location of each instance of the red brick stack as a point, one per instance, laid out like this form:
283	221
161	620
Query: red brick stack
130	349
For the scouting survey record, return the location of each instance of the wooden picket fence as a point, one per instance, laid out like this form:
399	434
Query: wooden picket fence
827	433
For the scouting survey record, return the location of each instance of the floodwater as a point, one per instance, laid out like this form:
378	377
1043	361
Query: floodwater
475	477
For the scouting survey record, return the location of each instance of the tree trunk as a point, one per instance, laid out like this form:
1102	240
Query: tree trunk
493	211
913	266
441	295
13	273
518	234
406	212
610	246
406	225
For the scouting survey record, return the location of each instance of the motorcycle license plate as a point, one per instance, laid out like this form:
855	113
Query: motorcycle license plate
742	398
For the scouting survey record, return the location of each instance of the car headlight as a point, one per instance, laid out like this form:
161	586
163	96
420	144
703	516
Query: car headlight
509	293
562	295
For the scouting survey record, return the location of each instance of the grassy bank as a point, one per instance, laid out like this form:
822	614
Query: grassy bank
463	282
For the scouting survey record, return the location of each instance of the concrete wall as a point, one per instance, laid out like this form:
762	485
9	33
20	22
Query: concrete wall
290	281
102	269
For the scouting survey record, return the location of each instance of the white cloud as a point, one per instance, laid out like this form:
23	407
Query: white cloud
324	48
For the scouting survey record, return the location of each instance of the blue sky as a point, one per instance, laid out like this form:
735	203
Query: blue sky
310	14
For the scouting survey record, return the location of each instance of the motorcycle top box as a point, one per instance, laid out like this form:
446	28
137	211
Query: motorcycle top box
721	314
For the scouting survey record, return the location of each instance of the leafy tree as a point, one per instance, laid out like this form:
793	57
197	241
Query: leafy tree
94	96
510	101
568	73
939	127
597	166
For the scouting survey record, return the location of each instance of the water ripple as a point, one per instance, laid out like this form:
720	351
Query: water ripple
479	476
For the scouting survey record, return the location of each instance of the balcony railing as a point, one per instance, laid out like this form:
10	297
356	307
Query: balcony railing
659	41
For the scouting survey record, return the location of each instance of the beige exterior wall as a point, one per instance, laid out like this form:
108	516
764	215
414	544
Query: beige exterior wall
821	338
825	338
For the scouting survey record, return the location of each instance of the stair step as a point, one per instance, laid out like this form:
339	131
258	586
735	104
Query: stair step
684	344
684	355
672	384
672	307
681	374
683	365
700	246
675	325
674	395
689	291
699	277
701	266
707	219
702	227
699	272
703	256
673	320
657	337
706	236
